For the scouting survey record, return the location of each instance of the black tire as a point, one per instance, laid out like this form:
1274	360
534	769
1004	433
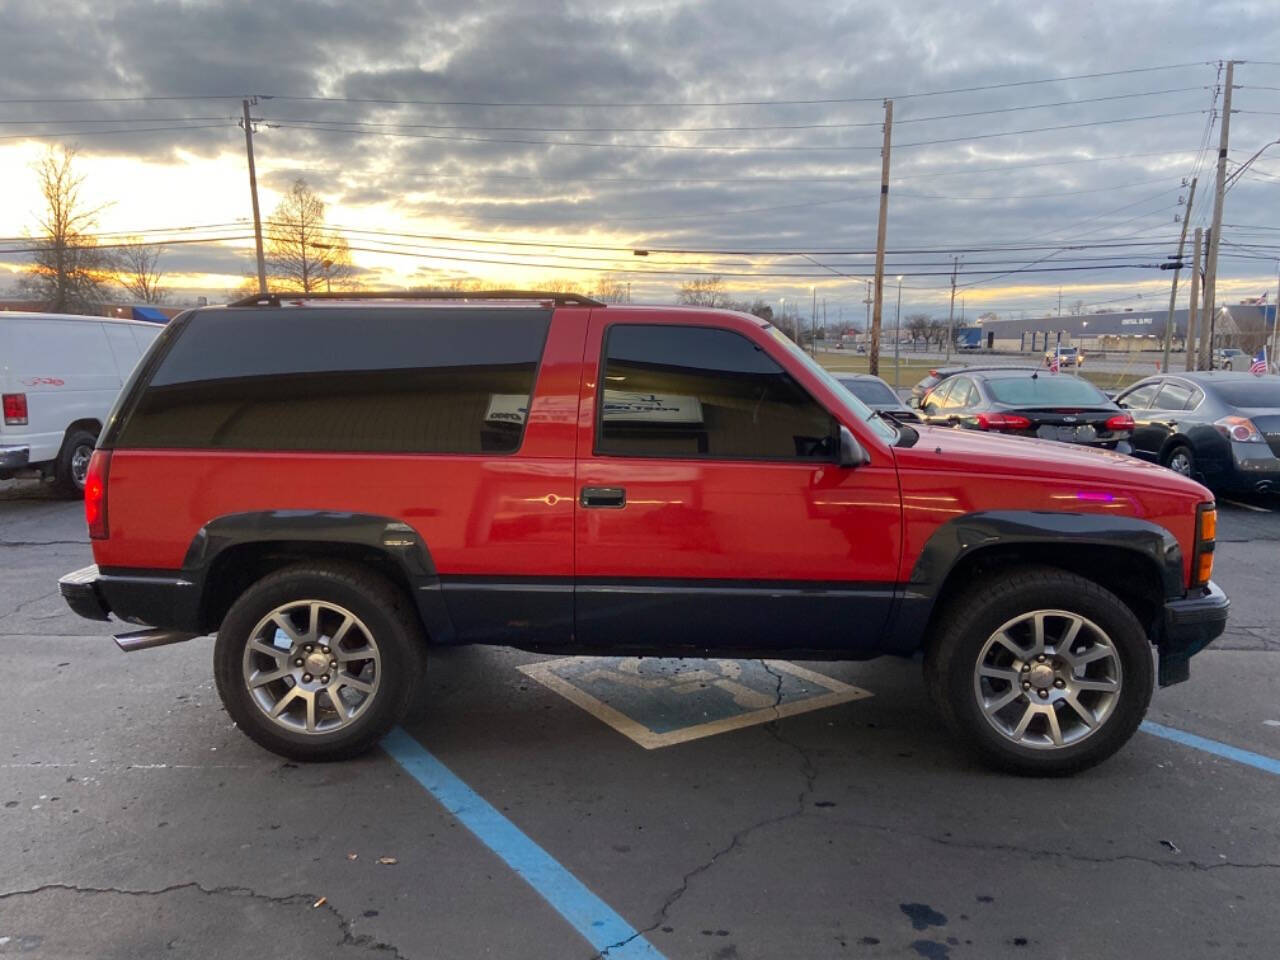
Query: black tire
68	469
963	630
392	624
1180	452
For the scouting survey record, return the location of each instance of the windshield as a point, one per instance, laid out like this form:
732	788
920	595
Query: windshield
870	391
852	403
1044	390
1263	392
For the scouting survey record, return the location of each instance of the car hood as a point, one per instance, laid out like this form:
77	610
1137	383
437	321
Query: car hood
975	452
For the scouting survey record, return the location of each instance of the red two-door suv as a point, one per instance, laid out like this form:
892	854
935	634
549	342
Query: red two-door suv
337	485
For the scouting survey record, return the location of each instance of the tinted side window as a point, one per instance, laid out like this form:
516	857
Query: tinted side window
394	380
1140	399
700	392
1172	396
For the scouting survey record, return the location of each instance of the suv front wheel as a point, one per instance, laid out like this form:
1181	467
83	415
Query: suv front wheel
1040	671
319	661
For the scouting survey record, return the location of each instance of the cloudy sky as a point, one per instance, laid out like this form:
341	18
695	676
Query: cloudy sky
524	142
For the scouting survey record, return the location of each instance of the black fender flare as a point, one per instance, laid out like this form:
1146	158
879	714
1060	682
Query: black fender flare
392	538
963	536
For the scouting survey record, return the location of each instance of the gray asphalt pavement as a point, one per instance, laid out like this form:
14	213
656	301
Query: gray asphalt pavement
135	821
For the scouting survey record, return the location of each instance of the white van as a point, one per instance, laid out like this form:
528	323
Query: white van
59	376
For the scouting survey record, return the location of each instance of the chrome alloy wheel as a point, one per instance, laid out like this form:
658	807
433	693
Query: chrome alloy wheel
80	464
1180	462
312	666
1047	679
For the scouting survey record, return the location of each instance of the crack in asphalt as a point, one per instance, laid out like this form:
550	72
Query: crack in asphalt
43	543
362	941
807	770
26	603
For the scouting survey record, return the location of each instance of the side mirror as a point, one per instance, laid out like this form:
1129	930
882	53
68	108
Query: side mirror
852	453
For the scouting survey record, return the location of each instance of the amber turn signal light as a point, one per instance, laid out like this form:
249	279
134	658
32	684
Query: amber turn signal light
1208	524
1204	568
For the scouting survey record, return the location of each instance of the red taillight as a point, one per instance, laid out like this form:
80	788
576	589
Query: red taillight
1121	421
15	409
95	494
1002	421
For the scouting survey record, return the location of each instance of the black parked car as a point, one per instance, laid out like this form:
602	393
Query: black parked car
1051	406
935	377
1221	427
877	395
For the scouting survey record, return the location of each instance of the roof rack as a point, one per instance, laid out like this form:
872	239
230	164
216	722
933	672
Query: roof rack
559	299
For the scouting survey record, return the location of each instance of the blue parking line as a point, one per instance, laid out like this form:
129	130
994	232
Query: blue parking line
594	919
1225	750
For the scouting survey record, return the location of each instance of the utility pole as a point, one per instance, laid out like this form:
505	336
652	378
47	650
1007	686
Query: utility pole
1206	318
1059	301
253	193
897	339
1272	358
880	234
1215	233
813	322
1193	349
951	316
1173	292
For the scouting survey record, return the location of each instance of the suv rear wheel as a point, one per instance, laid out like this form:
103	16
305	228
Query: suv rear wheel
1040	671
319	661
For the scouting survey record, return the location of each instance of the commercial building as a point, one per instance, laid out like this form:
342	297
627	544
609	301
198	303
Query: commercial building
1237	325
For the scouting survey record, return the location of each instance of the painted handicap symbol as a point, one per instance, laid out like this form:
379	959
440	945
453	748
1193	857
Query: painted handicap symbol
658	702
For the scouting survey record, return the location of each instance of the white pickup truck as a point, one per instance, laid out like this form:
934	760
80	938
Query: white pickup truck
59	376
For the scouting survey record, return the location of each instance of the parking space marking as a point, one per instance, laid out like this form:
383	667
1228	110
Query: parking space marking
1225	750
1247	506
660	702
594	919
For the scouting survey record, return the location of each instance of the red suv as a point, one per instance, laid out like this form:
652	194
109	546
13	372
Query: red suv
337	485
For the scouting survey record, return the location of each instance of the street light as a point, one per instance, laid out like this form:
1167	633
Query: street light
897	339
813	322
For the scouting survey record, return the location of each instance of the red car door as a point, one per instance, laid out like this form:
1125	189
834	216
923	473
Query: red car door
711	512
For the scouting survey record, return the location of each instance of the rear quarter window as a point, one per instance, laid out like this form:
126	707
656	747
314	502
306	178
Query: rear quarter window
385	381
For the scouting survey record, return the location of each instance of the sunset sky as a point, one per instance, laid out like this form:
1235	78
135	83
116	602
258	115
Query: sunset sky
652	125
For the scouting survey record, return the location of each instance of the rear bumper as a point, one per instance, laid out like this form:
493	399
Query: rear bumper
13	458
147	598
1190	625
79	588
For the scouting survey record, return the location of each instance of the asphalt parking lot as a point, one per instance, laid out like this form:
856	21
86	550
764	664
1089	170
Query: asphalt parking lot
573	808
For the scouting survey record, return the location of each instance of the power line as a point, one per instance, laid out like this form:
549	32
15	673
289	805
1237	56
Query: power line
350	127
732	103
103	133
726	129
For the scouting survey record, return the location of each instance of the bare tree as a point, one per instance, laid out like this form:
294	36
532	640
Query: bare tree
917	325
610	289
302	253
138	270
1076	309
559	285
68	271
704	292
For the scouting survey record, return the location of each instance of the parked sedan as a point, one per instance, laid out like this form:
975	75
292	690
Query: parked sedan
1050	406
877	395
936	377
1221	427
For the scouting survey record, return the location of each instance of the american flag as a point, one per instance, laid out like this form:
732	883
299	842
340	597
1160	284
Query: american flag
1056	363
1259	365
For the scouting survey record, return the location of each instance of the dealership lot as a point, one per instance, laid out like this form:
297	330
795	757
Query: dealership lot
658	801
